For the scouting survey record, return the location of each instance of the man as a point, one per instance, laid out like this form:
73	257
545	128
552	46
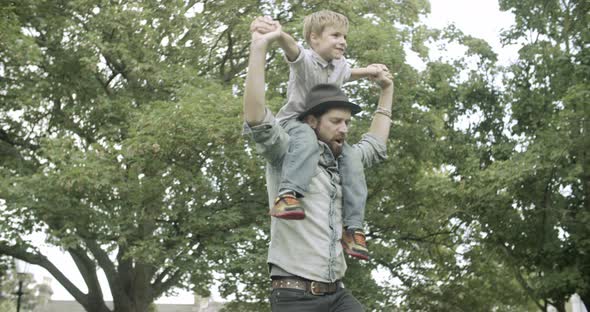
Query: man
306	275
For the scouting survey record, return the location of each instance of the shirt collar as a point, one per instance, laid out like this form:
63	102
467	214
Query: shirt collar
326	157
320	60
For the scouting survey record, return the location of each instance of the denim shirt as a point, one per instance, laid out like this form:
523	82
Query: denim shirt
309	248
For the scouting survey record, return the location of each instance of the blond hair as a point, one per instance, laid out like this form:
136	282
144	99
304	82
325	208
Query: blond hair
318	21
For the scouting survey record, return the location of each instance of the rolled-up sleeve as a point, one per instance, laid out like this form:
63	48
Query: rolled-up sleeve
371	150
346	72
301	64
271	140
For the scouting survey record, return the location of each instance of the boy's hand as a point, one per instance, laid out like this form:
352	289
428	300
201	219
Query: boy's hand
376	69
265	28
370	72
264	24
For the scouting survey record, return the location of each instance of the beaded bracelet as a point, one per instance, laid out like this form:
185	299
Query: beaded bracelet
383	111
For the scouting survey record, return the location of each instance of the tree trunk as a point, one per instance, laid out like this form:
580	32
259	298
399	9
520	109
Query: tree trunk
129	306
96	305
585	297
131	289
560	305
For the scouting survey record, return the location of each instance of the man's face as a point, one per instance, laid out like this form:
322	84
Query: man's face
331	43
332	128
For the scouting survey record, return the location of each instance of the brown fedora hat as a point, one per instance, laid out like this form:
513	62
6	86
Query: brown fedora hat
325	96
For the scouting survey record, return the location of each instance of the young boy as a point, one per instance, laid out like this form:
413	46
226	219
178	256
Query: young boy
325	32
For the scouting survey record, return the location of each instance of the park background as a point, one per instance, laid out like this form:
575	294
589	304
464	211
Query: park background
120	144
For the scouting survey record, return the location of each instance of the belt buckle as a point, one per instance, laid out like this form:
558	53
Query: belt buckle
312	287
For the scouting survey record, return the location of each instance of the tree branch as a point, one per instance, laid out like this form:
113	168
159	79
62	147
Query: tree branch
125	272
162	287
68	123
4	136
87	269
213	49
103	260
42	261
394	270
529	291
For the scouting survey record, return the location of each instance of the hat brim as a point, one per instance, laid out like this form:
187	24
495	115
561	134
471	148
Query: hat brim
354	109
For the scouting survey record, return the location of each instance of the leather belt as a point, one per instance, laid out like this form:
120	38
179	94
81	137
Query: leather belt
315	288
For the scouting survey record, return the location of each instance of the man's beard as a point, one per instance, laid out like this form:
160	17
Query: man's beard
334	146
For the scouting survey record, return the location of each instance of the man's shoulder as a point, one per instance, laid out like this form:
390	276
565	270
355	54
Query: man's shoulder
271	139
371	149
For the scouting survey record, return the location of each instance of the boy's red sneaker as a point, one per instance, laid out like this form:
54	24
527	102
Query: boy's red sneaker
287	206
354	243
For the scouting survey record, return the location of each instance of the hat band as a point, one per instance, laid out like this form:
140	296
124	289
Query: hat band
328	99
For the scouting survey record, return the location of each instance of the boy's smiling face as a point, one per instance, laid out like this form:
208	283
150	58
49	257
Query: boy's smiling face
331	43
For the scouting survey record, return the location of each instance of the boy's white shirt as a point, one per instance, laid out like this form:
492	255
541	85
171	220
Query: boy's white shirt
306	71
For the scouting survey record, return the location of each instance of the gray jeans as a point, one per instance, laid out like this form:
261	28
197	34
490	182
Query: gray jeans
296	300
300	163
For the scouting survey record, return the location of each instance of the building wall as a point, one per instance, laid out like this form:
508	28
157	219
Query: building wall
74	306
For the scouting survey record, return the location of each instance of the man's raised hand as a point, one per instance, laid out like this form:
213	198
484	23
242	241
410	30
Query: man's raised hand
376	69
382	75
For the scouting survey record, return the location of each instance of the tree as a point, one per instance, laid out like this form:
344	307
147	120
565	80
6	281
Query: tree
120	141
34	294
118	149
525	165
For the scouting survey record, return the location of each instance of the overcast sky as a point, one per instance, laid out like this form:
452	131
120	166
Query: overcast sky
479	18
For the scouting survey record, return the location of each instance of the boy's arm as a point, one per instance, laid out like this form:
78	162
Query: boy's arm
371	72
254	93
358	73
289	46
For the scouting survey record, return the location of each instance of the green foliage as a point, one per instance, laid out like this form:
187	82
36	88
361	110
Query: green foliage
528	188
130	151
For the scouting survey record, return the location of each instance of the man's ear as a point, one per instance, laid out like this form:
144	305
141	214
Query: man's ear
312	121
